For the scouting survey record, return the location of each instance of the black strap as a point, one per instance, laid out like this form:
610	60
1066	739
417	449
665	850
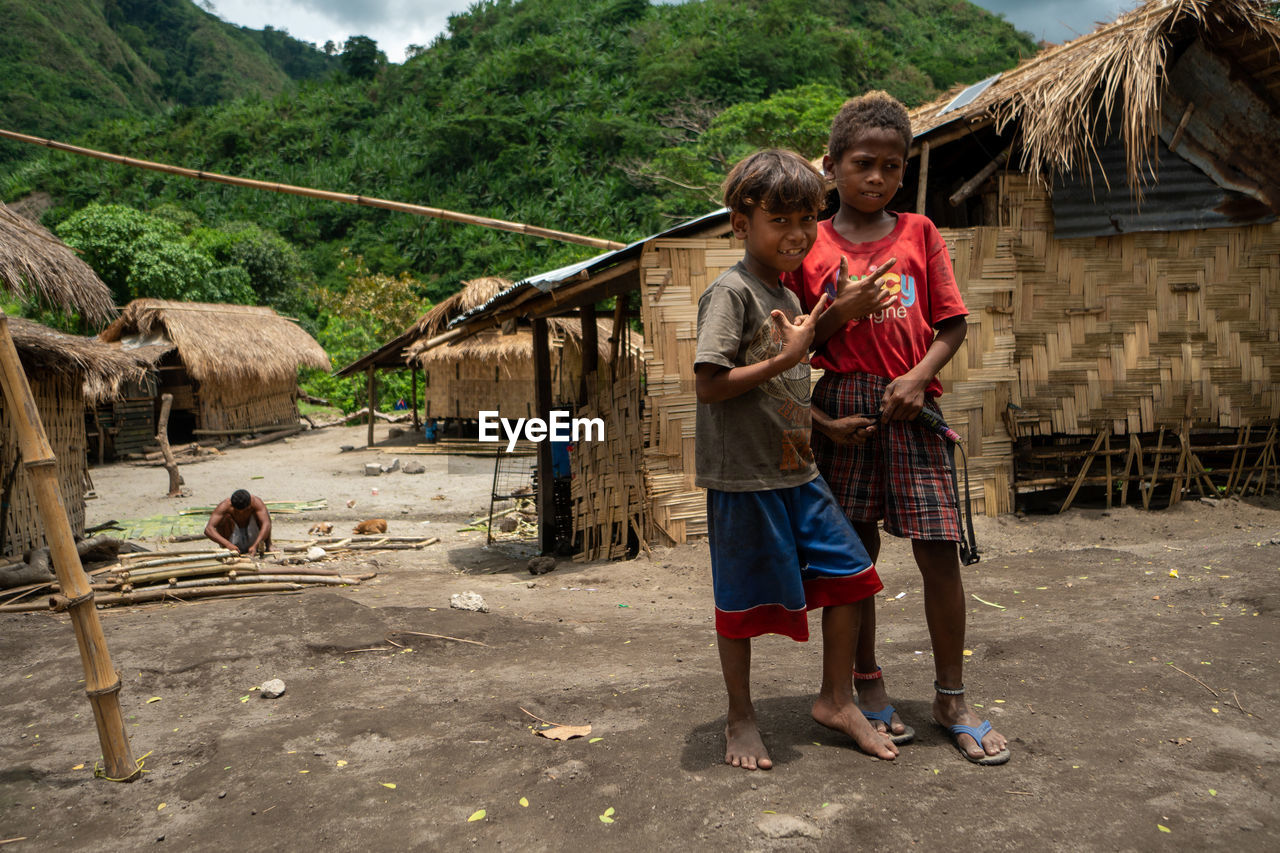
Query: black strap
968	547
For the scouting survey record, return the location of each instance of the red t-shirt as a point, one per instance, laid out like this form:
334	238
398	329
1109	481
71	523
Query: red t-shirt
892	341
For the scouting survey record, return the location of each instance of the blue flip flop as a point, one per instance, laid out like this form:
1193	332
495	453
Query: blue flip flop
977	733
886	716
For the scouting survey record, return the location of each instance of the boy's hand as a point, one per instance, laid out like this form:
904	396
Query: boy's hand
854	429
797	335
903	399
866	296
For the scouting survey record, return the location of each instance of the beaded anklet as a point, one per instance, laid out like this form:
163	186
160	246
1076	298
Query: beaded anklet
947	691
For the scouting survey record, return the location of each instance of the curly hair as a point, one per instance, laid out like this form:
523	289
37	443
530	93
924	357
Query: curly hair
874	110
776	180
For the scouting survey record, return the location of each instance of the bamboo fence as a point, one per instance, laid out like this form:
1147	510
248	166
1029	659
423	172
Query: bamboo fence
608	493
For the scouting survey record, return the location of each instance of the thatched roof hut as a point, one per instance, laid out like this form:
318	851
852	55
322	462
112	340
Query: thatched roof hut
63	371
1112	204
35	265
493	370
234	367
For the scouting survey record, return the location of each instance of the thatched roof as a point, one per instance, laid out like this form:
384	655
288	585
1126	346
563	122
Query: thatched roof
473	294
224	344
36	266
493	345
1111	78
43	350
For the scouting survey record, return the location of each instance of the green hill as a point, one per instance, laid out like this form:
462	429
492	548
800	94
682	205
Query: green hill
611	118
68	64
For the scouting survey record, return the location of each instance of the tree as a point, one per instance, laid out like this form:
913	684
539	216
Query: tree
361	58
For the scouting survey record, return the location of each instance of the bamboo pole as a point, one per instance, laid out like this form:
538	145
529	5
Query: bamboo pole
102	682
922	187
323	195
371	381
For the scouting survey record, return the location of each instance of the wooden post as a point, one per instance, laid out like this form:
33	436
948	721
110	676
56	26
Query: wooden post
619	317
923	185
97	425
162	438
1107	448
371	381
542	393
413	397
590	350
102	683
1155	472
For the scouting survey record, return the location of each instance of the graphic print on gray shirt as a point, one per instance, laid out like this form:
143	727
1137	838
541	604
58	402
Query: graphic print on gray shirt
758	440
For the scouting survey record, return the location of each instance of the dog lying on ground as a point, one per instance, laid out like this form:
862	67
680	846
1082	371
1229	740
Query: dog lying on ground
371	525
323	528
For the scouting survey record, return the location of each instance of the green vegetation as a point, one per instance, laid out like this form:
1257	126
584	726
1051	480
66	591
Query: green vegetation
68	64
612	118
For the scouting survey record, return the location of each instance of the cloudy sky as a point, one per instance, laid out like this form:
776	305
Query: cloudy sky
396	24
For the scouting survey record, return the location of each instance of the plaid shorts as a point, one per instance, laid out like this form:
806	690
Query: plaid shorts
902	474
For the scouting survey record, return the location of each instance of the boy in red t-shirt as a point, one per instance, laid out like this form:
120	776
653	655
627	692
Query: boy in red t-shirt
881	371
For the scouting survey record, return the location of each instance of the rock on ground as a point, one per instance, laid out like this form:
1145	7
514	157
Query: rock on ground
468	601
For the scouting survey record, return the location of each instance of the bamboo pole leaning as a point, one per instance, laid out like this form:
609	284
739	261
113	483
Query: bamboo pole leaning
324	195
102	682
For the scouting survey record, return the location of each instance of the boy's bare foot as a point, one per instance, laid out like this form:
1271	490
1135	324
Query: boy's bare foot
744	747
952	710
845	717
873	697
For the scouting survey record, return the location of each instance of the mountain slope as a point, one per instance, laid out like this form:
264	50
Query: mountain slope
68	64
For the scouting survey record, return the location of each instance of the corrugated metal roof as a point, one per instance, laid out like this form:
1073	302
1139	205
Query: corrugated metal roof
1183	199
549	281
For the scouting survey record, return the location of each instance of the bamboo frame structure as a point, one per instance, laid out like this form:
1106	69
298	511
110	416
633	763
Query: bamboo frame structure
102	682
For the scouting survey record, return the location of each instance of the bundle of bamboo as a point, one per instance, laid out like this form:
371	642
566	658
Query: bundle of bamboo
147	576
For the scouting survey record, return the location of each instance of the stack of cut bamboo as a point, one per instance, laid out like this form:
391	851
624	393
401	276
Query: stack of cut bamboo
147	576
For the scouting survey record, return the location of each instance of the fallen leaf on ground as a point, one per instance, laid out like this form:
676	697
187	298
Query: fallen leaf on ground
563	732
477	816
391	785
524	803
162	805
1173	573
342	762
595	740
78	767
153	699
1163	828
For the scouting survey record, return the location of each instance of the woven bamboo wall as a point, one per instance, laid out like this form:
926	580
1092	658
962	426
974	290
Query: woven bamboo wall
268	406
673	275
461	388
978	381
1122	331
608	485
60	400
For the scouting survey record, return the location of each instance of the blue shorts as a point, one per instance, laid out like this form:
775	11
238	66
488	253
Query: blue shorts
777	554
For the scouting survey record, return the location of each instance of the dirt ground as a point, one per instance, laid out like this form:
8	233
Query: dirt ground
1142	708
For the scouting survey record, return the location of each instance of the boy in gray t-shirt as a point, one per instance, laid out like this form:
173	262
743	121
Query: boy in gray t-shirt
780	546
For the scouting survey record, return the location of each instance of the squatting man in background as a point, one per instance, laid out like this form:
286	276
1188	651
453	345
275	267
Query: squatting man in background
241	523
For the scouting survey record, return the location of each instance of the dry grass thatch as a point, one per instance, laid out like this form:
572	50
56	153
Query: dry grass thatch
224	344
102	367
493	345
1111	77
36	266
473	294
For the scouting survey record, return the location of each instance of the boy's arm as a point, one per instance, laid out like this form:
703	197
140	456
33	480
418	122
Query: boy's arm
211	529
714	383
854	429
263	517
854	300
904	396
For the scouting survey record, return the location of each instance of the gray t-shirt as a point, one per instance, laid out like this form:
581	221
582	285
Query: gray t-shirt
758	440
